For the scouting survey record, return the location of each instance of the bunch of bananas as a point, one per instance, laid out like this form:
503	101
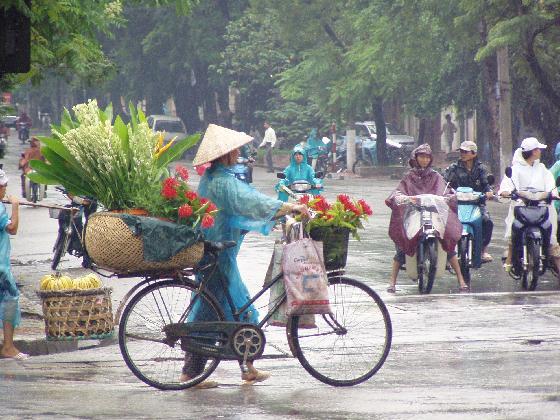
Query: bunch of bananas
62	282
89	281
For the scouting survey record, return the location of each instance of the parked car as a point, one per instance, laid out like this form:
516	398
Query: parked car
9	120
367	129
171	126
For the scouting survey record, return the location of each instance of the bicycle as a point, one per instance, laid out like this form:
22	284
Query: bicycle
344	348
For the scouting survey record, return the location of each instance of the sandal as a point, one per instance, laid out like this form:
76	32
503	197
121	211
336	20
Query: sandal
19	356
486	257
507	267
391	289
202	385
250	378
464	289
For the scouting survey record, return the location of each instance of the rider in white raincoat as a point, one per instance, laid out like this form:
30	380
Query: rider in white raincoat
529	172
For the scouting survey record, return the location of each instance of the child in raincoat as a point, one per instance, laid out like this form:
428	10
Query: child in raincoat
299	170
10	315
422	179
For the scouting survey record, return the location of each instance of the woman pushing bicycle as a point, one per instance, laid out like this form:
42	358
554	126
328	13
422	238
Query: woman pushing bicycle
241	208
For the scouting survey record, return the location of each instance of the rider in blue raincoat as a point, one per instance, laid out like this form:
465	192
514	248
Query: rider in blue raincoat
299	170
313	146
241	208
555	169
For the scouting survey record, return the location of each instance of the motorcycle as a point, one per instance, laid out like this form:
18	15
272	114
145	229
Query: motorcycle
426	216
3	144
323	158
33	192
299	188
243	170
23	132
530	234
469	247
70	228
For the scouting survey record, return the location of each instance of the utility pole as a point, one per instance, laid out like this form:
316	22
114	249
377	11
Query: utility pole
503	97
350	145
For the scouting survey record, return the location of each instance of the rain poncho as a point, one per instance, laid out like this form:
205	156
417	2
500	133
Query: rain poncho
298	172
9	294
555	170
422	181
241	207
314	144
524	176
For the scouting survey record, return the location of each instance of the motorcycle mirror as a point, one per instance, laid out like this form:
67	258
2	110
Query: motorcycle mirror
281	175
491	179
319	174
508	171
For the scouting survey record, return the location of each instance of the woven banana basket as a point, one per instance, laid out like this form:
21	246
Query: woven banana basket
112	246
78	314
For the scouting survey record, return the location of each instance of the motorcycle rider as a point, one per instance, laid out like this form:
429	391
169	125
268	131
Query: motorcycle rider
529	172
4	130
298	170
422	179
555	170
313	146
31	153
470	172
24	121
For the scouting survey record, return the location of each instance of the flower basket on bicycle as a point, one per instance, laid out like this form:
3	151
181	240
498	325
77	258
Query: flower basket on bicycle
77	314
125	243
335	245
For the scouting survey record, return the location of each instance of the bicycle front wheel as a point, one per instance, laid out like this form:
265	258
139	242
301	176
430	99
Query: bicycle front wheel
150	354
350	345
60	248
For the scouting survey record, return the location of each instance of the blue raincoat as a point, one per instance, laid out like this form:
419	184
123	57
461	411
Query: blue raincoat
9	294
555	169
298	172
314	144
241	208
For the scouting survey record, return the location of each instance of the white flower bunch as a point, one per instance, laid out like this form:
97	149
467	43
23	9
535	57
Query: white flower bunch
117	172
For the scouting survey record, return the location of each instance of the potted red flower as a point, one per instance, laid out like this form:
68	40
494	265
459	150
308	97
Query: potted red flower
333	224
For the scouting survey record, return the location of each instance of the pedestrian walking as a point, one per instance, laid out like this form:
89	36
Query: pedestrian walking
10	313
269	141
448	130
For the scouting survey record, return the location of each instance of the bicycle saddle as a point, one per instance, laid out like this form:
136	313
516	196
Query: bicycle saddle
216	247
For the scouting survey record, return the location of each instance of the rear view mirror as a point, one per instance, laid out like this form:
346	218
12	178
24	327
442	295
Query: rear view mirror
281	175
508	171
491	179
319	174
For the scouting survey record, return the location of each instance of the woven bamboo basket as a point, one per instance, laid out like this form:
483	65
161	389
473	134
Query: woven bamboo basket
77	314
113	246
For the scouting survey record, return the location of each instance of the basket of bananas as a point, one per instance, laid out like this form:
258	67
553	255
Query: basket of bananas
76	309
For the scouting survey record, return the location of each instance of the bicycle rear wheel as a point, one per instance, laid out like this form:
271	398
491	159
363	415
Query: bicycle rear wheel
349	346
148	352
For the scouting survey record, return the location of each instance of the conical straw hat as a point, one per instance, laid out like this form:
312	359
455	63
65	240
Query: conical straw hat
219	141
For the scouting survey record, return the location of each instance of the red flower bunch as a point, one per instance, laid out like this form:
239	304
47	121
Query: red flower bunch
345	212
177	202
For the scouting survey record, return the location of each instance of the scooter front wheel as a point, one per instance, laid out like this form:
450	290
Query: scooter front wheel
427	264
531	275
464	259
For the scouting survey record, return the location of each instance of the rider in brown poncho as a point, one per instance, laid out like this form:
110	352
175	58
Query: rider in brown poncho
421	179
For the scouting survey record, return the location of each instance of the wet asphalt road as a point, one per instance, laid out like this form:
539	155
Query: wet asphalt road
491	354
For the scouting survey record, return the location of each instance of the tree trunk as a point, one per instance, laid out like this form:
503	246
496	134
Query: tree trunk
380	130
187	107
